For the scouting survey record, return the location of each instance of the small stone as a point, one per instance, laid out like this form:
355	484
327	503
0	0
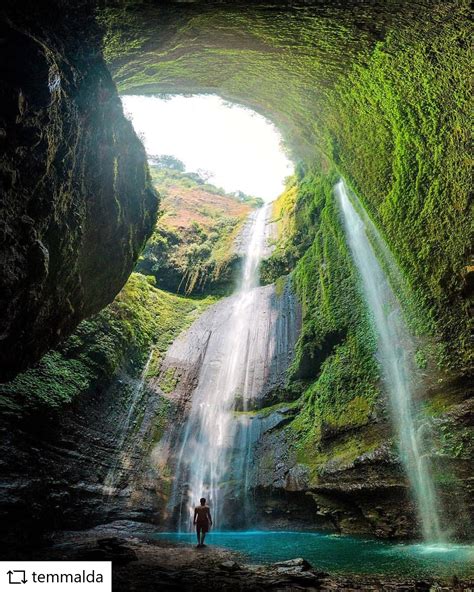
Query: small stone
94	555
109	542
299	562
423	586
229	566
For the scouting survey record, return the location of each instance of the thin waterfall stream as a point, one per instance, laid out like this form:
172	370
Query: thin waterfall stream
207	459
395	355
113	474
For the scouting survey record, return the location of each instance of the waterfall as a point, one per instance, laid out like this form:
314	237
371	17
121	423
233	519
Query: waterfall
395	355
214	446
114	473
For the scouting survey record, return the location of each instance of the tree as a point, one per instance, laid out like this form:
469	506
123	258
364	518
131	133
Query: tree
205	174
167	161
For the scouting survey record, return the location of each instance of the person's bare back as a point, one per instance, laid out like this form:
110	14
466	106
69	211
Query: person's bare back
202	521
202	513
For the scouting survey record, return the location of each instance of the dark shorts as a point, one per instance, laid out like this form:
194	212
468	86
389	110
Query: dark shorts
202	527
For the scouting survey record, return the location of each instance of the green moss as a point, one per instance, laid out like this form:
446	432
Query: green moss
285	253
447	479
442	402
334	360
140	317
401	131
154	364
384	97
455	441
168	380
266	411
420	359
161	421
342	451
55	381
127	38
337	345
280	285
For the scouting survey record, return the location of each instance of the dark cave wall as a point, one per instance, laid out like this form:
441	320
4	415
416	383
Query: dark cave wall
76	467
76	203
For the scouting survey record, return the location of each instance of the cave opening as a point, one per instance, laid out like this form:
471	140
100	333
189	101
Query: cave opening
231	146
212	162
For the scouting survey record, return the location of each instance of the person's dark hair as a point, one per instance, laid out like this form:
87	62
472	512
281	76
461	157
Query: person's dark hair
203	500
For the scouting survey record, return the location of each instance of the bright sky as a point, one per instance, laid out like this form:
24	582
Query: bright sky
240	147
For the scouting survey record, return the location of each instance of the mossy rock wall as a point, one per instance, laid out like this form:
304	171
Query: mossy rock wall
379	91
376	92
76	200
78	428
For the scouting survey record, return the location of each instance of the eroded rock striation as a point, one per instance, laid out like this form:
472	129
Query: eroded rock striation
191	369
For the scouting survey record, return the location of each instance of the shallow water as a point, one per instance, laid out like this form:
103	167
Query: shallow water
342	554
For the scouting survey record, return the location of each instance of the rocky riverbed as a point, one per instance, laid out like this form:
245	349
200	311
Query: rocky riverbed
143	564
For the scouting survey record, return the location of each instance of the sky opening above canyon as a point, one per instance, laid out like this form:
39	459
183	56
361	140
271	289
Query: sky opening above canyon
242	149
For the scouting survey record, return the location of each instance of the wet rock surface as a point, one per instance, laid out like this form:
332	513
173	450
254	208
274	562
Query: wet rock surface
194	363
278	318
367	493
76	203
79	466
100	457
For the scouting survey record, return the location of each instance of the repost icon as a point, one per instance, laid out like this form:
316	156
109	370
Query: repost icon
17	576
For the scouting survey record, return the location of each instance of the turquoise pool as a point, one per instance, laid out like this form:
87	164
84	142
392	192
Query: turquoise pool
341	554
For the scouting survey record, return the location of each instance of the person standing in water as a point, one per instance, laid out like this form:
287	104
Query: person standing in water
202	521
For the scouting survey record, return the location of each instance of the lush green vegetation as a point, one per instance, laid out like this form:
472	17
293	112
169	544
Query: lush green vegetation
140	318
382	100
334	362
396	127
399	131
168	172
193	247
384	97
194	242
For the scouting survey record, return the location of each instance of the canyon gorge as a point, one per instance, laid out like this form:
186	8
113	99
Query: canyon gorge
306	363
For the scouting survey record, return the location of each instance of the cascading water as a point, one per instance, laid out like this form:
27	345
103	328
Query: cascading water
113	474
207	460
395	354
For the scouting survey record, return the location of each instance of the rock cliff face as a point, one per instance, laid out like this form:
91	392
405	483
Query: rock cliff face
277	319
76	430
109	454
326	72
76	203
197	355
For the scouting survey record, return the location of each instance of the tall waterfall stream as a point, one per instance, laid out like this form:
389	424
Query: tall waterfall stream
395	354
207	458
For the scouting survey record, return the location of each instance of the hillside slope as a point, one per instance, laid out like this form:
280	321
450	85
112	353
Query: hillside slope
193	246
